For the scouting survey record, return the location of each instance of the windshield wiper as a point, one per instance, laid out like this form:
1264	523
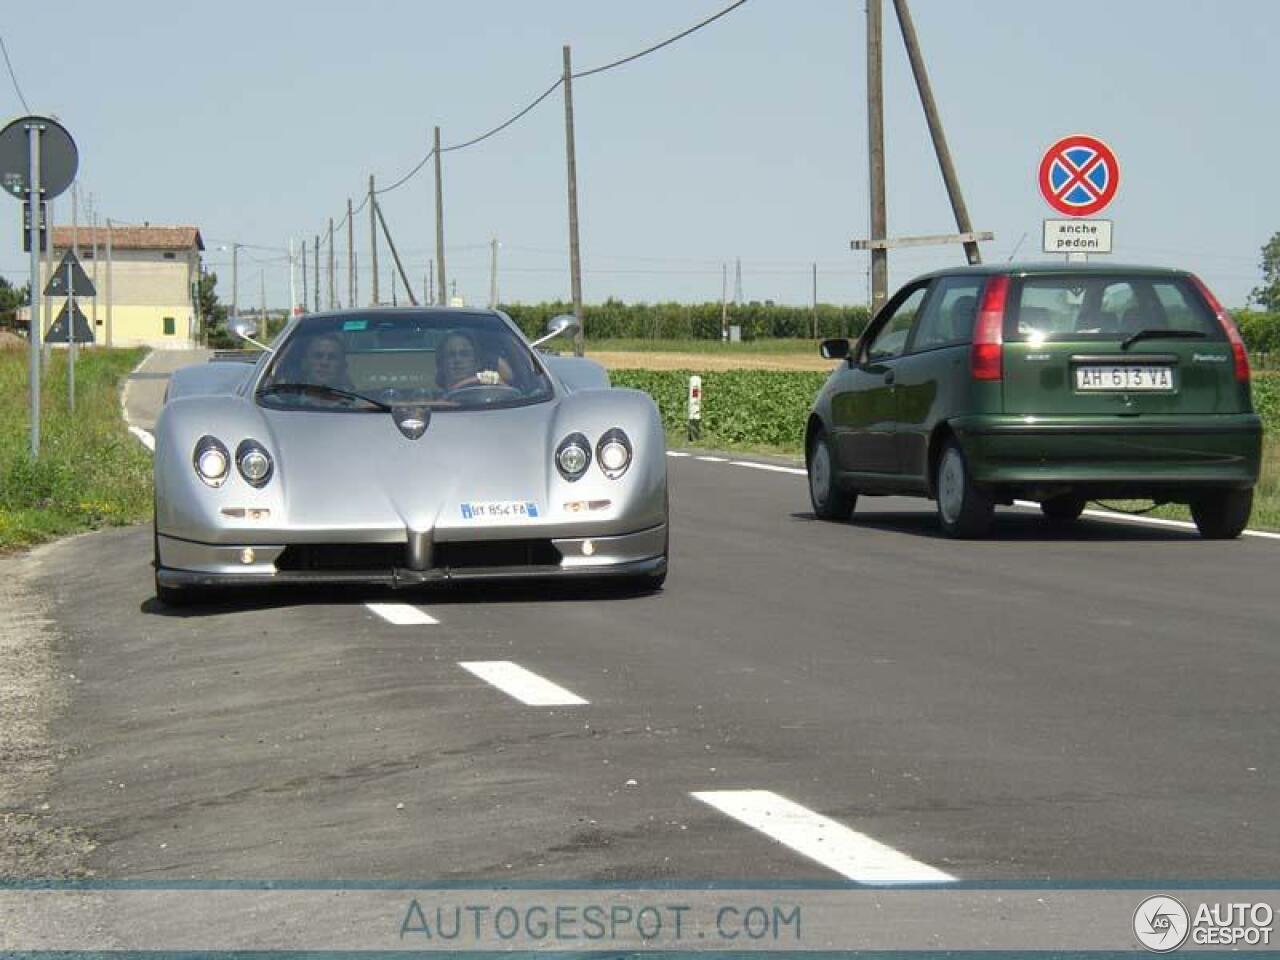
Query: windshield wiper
1161	335
321	390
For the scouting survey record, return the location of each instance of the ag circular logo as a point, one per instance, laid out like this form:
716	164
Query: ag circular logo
1161	924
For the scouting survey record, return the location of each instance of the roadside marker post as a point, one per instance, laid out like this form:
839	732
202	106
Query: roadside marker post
695	407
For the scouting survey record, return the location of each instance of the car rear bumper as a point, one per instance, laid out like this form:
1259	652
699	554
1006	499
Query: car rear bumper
1135	456
184	563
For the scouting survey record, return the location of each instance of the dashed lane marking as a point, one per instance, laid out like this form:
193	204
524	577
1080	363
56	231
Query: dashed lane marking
713	459
832	844
677	453
523	685
402	614
773	467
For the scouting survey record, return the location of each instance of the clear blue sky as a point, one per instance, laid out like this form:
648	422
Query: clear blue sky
255	122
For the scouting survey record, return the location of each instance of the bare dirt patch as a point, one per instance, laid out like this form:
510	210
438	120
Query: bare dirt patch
11	341
637	360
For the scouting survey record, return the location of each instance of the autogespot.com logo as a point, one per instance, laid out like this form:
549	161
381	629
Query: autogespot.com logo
1161	923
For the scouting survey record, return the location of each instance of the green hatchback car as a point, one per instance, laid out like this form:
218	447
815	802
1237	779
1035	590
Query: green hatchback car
1055	383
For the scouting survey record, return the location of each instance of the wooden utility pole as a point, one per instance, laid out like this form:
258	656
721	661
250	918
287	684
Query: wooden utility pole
724	301
332	293
575	262
940	147
316	298
235	278
439	219
302	304
431	281
875	146
395	258
373	241
351	257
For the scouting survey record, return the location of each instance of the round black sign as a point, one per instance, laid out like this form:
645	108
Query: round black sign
59	158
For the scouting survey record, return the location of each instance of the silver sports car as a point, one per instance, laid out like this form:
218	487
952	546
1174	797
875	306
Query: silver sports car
402	447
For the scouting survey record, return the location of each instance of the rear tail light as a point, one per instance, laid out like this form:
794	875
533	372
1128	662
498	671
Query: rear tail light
1238	350
987	356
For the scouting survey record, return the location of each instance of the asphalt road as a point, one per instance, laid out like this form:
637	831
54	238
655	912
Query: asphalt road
1096	704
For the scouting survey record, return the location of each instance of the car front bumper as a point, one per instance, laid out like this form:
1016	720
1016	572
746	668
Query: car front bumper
186	563
1114	456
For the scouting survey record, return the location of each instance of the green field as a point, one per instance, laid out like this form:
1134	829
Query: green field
91	473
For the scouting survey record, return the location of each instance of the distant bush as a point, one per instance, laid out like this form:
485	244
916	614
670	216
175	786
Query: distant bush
1261	331
614	319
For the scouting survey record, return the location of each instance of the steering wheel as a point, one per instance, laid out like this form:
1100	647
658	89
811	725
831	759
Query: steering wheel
473	392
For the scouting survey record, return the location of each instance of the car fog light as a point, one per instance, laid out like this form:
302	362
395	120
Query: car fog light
614	453
588	548
247	555
573	456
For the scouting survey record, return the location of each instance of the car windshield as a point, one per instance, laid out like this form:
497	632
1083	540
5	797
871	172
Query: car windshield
1106	307
369	362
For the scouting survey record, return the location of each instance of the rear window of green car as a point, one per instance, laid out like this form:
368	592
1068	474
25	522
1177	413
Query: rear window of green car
1104	307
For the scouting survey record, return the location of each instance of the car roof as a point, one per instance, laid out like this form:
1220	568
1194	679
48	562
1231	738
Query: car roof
403	312
1025	268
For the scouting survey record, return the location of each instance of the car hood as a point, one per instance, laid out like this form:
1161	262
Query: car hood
360	469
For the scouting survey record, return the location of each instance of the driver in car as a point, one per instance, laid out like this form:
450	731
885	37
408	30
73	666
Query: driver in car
324	362
458	364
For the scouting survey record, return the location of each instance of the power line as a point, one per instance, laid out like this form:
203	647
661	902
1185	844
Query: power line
506	123
13	76
665	43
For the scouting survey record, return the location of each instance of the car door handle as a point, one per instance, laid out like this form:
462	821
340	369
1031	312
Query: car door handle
889	376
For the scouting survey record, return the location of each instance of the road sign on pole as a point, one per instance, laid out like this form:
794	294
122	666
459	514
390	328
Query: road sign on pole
81	327
1077	236
59	158
69	266
1079	175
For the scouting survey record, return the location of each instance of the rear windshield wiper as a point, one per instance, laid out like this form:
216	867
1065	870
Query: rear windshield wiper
321	390
1161	335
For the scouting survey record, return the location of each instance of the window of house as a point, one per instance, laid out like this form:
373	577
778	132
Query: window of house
170	326
170	255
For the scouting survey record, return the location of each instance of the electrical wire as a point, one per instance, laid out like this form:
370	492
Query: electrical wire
408	176
13	76
502	126
665	43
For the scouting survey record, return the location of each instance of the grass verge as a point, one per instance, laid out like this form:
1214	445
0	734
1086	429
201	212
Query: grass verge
91	473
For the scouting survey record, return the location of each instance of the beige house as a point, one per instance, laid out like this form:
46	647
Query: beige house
146	283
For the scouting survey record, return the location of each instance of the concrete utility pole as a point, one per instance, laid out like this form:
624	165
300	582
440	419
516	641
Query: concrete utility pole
575	261
940	147
109	297
316	299
439	218
875	146
351	257
332	295
373	240
431	281
493	273
235	278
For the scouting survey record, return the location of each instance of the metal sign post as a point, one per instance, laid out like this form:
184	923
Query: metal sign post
34	133
71	338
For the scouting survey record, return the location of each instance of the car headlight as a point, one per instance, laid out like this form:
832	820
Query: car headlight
614	453
211	460
254	463
573	456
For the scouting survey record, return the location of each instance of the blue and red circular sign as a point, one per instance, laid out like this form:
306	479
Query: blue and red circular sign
1079	175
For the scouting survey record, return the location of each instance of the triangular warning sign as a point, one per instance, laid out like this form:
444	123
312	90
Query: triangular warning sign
58	332
57	285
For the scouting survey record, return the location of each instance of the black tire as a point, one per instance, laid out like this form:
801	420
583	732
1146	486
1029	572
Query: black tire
1222	514
1063	509
964	509
829	501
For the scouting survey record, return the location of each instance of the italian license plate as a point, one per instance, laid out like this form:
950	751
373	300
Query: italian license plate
1118	376
499	511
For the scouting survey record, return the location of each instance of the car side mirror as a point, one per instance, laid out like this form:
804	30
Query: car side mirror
243	328
561	325
836	348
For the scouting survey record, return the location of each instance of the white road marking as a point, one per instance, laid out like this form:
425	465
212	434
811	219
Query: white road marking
713	459
144	437
1152	521
832	844
775	468
677	453
402	614
524	685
